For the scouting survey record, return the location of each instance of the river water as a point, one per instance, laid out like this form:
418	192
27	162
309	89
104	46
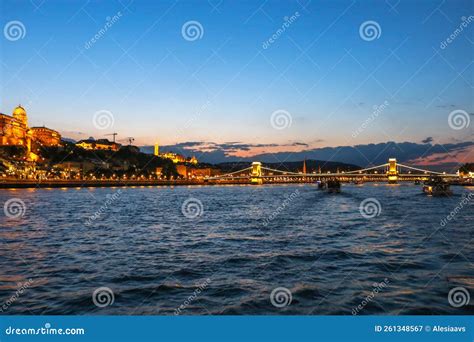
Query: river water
225	249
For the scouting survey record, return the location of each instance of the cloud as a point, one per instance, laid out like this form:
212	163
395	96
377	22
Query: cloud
446	106
427	140
364	155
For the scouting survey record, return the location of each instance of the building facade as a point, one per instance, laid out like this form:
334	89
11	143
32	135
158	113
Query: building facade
99	144
14	131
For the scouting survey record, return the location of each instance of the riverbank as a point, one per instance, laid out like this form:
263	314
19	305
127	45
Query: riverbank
31	184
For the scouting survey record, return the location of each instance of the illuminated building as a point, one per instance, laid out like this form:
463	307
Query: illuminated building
190	172
14	131
46	136
176	158
182	170
205	172
99	144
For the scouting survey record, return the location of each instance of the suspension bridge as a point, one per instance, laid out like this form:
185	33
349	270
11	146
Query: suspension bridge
391	172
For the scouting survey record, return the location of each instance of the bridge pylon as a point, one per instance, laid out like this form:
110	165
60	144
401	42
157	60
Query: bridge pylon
392	172
256	176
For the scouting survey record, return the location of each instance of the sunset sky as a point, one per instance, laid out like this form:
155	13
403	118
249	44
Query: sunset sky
224	86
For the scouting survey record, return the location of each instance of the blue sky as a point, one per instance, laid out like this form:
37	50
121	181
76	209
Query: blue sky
225	86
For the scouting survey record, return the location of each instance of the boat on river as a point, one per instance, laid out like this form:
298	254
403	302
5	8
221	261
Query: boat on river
436	186
333	186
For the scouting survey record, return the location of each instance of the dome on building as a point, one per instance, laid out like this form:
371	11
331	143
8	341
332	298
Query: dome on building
19	113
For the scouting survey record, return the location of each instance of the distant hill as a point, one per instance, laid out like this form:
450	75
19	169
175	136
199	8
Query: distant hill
294	166
439	157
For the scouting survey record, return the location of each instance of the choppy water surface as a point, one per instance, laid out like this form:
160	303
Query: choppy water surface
247	241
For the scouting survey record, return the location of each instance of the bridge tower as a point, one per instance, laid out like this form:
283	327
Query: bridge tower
256	177
392	172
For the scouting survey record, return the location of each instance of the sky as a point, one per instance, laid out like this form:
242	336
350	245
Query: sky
273	75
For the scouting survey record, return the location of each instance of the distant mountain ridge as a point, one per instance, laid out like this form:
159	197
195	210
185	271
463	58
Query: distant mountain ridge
363	155
296	166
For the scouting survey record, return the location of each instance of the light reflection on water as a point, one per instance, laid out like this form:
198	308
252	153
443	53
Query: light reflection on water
319	246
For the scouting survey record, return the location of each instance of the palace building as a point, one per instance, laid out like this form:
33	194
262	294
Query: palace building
99	144
14	131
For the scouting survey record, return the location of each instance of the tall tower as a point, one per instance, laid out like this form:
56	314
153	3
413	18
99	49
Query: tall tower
256	176
157	150
304	166
19	114
392	172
